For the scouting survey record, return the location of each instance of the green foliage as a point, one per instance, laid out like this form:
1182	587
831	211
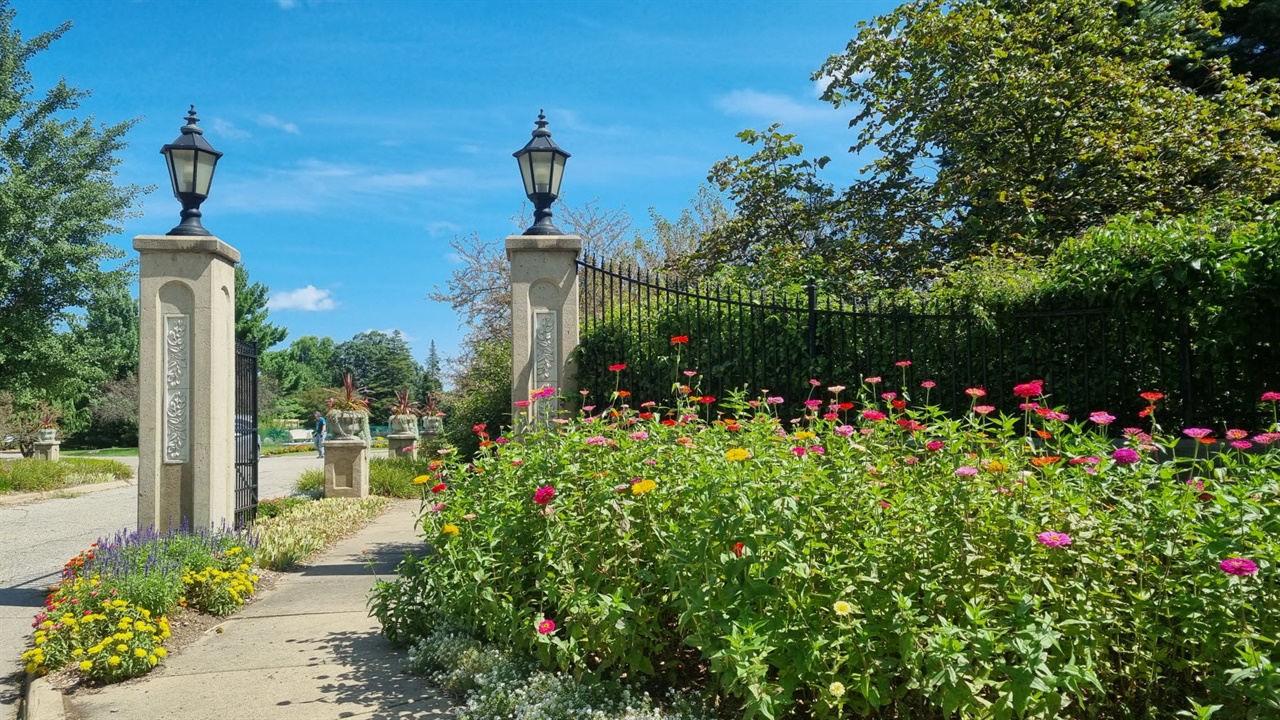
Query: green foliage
301	531
58	199
481	394
29	475
381	364
251	313
393	477
274	507
306	365
848	567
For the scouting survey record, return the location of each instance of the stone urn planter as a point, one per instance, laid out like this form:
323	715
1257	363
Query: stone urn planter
432	425
345	423
404	424
47	434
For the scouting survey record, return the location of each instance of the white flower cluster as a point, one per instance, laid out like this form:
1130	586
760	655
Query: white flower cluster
497	686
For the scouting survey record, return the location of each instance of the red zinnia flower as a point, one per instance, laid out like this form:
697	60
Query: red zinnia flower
1151	396
737	549
680	340
618	368
1029	389
899	404
706	399
544	494
546	627
438	487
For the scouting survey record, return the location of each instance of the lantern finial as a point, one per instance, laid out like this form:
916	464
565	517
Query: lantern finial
191	126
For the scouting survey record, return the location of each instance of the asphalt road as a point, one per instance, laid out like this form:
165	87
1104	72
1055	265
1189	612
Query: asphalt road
38	538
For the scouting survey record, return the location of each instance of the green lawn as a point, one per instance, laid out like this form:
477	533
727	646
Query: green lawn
103	452
29	475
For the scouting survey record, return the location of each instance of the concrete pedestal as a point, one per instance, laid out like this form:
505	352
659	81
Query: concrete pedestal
402	446
544	316
346	468
50	451
186	382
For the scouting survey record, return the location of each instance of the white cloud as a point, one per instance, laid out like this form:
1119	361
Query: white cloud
227	129
774	107
272	121
287	4
307	298
443	227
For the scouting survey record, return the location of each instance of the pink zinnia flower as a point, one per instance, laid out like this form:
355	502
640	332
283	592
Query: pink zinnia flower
1125	456
773	400
1241	444
1266	438
546	627
812	404
690	373
1238	566
1053	539
1055	415
934	445
814	382
545	392
522	403
1197	433
1029	406
1087	460
597	440
1102	418
872	380
927	384
843	430
799	451
1271	396
888	395
1029	389
837	389
984	409
966	470
817	450
641	435
903	363
873	415
1235	434
544	494
975	392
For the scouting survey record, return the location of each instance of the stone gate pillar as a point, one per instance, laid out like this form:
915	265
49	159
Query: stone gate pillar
186	381
544	314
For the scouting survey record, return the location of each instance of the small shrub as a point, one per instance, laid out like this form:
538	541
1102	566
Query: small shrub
393	477
274	507
310	483
221	588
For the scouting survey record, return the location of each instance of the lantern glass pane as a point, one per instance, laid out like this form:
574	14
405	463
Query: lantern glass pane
170	160
526	172
557	173
183	163
541	171
204	172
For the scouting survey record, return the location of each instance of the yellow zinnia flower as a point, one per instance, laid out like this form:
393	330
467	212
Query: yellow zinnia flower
449	529
122	648
842	608
139	652
85	665
737	454
114	660
161	652
804	435
643	487
422	480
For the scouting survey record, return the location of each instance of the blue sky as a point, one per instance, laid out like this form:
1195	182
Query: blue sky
361	136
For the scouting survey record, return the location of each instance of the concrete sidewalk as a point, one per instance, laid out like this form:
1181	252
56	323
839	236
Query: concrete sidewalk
306	649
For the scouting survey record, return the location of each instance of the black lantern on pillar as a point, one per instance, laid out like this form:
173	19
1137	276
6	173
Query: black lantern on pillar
191	162
542	168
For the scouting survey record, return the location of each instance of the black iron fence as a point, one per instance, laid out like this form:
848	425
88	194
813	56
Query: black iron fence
1090	357
246	433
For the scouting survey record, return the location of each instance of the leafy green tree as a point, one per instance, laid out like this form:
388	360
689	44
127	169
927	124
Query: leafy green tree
306	364
110	332
58	200
382	364
251	313
1018	125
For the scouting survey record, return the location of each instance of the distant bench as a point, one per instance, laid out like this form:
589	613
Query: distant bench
301	436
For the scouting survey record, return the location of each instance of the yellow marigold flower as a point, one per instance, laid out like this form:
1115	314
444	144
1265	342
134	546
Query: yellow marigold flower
161	652
114	660
86	665
643	487
422	480
122	648
139	652
836	689
77	652
31	668
737	454
842	608
997	466
153	660
449	529
139	625
41	640
46	624
235	550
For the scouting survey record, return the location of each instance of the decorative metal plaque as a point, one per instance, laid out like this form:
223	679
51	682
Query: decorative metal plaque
177	389
546	362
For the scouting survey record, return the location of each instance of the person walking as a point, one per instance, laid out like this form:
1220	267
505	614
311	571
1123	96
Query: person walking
321	427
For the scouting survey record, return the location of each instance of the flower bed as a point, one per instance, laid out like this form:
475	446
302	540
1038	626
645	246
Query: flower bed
107	618
873	557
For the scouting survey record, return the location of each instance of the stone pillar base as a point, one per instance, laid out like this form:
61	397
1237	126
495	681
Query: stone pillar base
51	451
402	446
346	468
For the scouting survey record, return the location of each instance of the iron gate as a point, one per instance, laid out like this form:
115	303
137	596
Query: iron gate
247	443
